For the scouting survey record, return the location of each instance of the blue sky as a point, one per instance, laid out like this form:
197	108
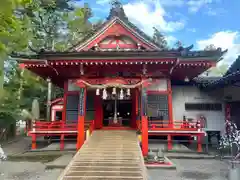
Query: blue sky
198	22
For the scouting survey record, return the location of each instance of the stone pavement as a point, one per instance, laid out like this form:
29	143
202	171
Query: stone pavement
60	162
192	170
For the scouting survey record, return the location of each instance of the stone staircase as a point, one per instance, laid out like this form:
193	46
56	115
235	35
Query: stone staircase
108	155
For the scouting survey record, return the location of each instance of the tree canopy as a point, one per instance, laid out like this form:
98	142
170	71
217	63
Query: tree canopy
29	26
159	39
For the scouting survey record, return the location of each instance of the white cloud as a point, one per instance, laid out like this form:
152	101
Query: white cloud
103	2
171	40
215	12
149	14
196	5
178	3
224	40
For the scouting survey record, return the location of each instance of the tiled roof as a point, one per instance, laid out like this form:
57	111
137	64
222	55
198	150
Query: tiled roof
184	54
234	67
231	77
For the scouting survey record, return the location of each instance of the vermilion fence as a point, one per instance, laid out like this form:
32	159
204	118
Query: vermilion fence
56	126
175	125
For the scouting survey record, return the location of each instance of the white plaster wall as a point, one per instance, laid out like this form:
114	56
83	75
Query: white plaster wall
191	94
232	91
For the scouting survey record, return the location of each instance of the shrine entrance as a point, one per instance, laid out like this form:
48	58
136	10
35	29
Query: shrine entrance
123	109
116	101
116	107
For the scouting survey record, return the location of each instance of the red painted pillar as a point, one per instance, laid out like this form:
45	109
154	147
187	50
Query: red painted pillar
170	108
62	142
98	112
62	137
169	139
134	115
145	135
144	120
81	117
199	143
65	101
227	112
34	141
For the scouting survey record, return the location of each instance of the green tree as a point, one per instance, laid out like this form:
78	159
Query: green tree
36	24
78	24
12	30
159	39
48	29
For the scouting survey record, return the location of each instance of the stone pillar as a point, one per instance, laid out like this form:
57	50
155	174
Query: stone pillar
49	97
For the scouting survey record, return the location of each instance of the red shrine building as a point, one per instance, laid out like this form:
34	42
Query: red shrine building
119	78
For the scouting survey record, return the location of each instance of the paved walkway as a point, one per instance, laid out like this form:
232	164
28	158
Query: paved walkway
188	169
108	155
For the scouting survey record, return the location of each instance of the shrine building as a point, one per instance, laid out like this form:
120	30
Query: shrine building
119	78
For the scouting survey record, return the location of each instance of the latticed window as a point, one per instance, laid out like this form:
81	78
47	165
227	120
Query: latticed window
72	107
158	108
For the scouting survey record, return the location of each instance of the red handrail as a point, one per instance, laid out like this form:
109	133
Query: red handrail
176	125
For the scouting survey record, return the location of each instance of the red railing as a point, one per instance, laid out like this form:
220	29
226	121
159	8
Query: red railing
58	126
176	125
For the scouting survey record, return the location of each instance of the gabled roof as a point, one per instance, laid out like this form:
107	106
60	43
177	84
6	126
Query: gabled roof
117	15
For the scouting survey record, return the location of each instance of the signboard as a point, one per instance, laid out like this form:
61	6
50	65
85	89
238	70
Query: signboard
81	102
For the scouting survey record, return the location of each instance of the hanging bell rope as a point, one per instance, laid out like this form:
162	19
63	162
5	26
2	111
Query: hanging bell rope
104	94
121	96
104	86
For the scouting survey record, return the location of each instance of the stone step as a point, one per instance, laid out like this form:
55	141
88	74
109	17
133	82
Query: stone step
113	155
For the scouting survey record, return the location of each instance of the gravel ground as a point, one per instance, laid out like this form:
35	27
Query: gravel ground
26	171
186	170
192	170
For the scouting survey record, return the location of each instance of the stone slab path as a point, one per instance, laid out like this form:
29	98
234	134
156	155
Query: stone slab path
108	155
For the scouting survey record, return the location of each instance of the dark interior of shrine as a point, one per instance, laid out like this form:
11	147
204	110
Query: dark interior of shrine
124	111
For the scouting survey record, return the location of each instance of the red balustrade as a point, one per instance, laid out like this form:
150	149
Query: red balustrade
176	125
58	126
53	128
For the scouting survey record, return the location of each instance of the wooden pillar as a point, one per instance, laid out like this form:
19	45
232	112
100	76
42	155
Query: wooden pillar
199	143
134	114
169	139
81	117
98	112
170	108
34	141
227	112
62	137
144	122
65	101
62	142
49	97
